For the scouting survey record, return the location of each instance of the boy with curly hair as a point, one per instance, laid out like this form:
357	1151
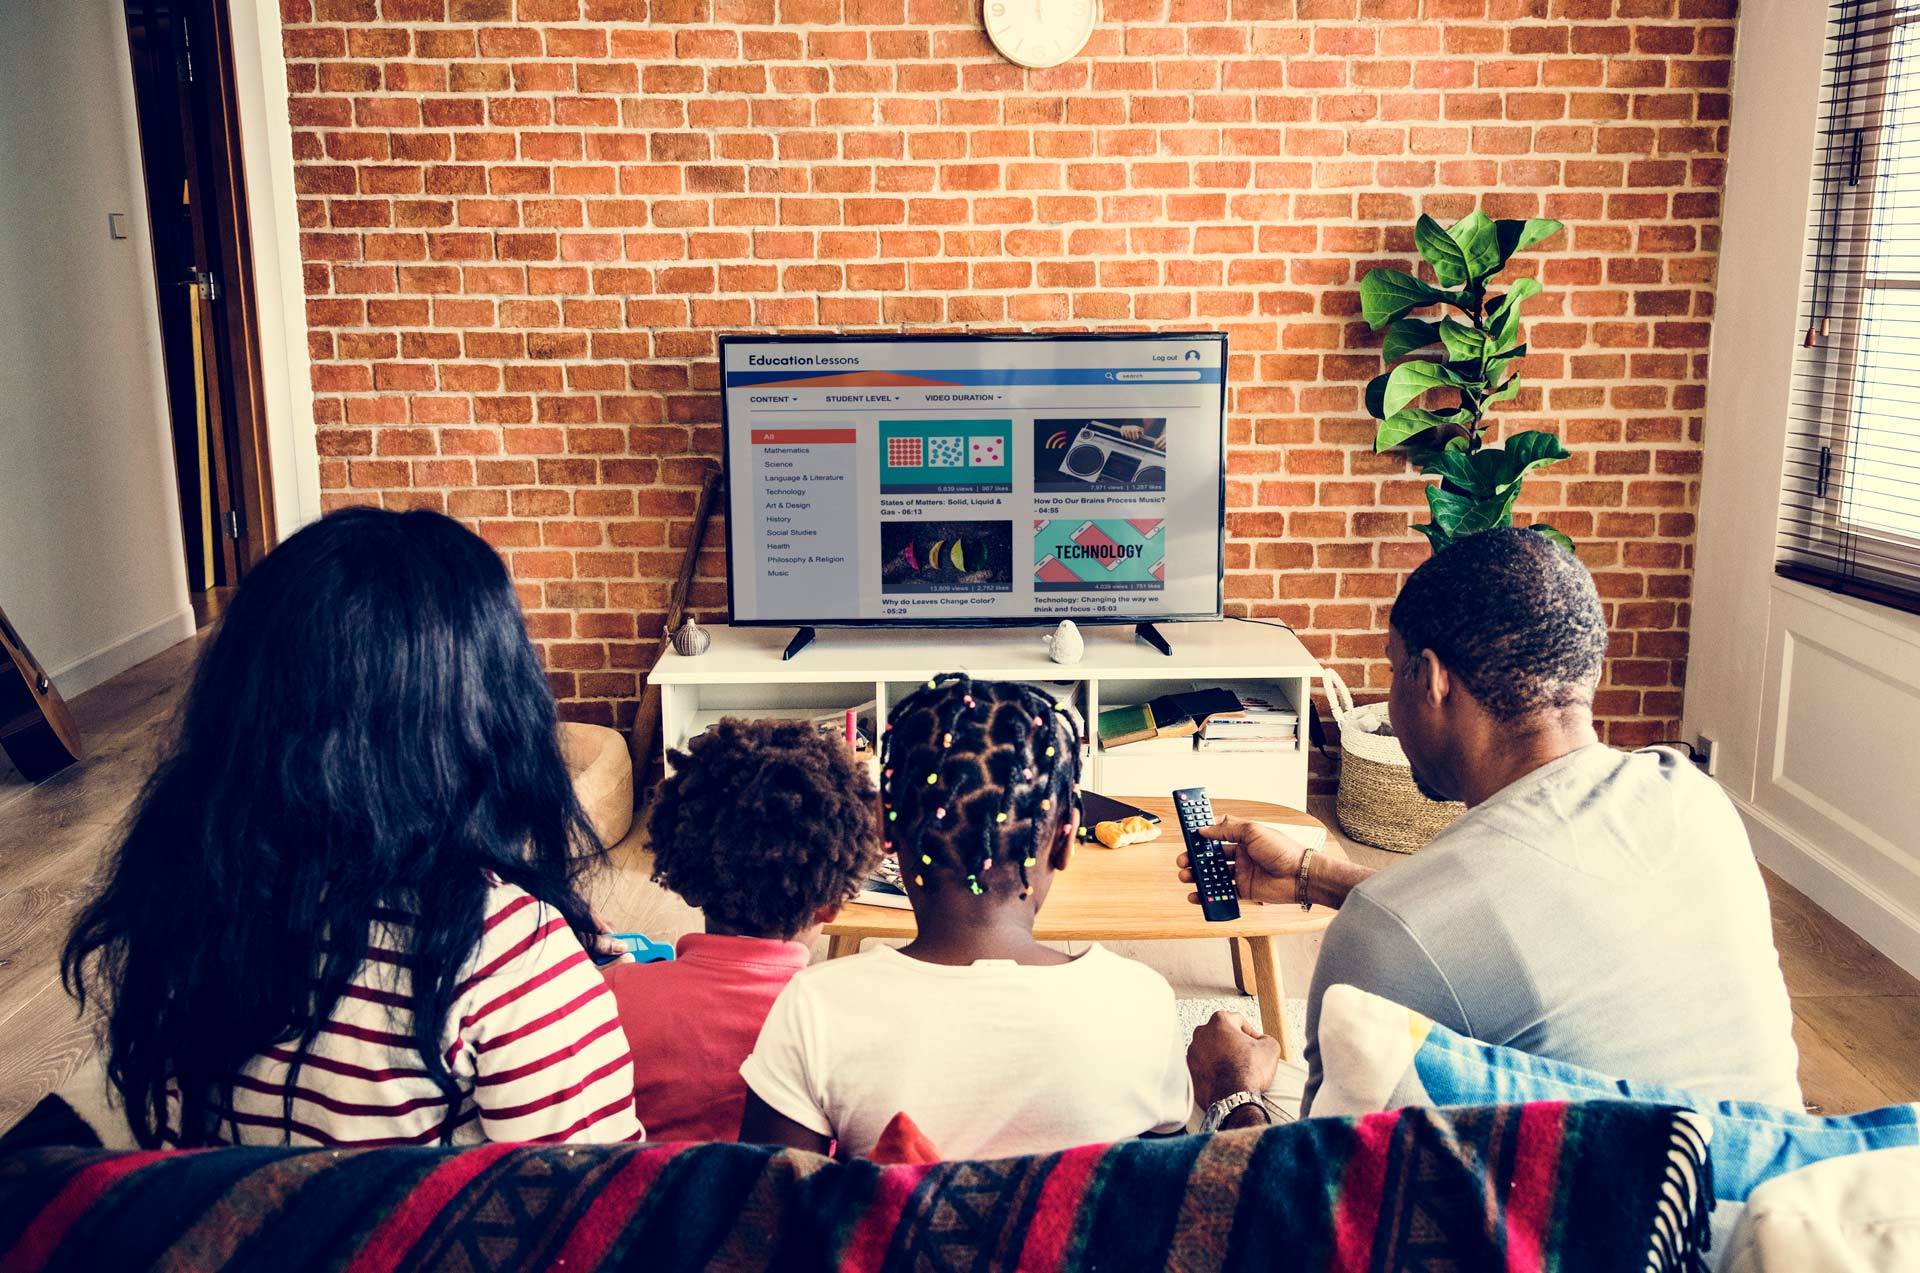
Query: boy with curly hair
768	828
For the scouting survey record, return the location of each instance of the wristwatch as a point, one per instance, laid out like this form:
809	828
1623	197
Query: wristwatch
1218	1111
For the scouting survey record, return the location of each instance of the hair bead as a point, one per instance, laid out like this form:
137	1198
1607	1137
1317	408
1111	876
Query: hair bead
920	880
1005	761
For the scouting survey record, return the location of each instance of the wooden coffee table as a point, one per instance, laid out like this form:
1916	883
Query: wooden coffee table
1135	894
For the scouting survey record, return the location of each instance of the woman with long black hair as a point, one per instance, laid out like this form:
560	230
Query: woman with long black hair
345	909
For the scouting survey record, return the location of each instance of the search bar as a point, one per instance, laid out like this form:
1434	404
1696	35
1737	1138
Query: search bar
1156	375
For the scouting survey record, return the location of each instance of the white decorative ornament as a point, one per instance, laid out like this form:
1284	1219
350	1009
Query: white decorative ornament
1040	33
1065	644
691	640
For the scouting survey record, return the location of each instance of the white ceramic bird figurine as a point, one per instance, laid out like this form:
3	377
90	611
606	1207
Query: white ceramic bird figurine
1065	644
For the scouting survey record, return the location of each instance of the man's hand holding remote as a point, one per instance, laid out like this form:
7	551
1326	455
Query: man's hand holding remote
1267	865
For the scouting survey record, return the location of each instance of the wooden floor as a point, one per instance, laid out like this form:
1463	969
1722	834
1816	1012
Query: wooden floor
1856	1015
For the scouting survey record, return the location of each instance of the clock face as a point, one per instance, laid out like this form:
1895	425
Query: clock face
1040	33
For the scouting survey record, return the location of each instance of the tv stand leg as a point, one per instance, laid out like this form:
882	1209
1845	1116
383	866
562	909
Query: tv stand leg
1151	635
801	640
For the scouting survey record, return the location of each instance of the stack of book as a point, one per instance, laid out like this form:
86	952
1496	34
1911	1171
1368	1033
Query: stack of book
1265	722
1168	723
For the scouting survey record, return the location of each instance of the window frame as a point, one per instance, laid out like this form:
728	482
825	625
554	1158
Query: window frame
1838	364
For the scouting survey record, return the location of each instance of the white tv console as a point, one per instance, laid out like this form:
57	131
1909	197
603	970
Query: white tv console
743	674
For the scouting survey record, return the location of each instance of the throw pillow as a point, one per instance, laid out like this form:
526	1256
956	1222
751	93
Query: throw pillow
1375	1054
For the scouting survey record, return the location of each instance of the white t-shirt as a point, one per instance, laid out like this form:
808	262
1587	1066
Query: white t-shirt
989	1060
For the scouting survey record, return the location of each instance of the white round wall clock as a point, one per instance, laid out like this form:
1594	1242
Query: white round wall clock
1040	33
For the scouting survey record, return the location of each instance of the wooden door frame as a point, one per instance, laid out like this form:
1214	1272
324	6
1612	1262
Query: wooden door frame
221	180
227	181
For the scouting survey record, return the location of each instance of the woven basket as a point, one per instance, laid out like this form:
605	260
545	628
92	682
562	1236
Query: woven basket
1378	801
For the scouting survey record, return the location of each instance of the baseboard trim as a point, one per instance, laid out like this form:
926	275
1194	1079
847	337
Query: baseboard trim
1880	920
89	670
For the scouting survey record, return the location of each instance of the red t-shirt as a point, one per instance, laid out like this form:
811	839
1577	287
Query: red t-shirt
692	1021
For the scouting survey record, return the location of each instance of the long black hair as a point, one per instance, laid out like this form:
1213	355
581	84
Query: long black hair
368	734
977	775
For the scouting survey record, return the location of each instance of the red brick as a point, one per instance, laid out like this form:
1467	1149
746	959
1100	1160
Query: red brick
517	261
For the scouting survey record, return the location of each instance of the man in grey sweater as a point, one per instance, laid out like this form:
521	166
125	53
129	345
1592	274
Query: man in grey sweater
1593	906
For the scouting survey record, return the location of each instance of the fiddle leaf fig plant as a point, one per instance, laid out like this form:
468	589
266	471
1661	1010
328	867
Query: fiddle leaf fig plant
1445	372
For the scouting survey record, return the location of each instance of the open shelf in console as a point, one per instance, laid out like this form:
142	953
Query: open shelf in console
692	708
743	674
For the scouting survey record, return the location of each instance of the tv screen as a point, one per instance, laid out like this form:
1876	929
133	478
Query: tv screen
973	479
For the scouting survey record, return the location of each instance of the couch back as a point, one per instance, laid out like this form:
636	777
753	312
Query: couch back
1608	1185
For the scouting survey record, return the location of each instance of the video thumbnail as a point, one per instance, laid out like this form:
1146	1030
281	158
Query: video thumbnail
921	556
1106	555
1085	456
935	457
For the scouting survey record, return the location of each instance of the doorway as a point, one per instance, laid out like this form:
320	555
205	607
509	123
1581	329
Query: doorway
203	266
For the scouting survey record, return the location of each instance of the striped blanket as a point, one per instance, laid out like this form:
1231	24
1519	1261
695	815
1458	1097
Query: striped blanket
1603	1186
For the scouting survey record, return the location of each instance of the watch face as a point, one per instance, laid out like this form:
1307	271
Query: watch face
1040	33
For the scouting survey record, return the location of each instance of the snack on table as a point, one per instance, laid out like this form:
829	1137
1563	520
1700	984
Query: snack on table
1118	835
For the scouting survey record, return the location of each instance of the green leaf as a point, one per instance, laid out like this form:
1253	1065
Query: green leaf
1388	294
1495	471
1436	537
1459	468
1442	253
1401	425
1463	343
1518	236
1408	381
1376	396
1507	389
1495	363
1503	320
1525	452
1557	536
1404	335
1479	244
1464	515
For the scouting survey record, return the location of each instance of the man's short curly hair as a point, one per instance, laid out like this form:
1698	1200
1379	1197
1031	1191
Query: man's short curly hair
1513	615
764	823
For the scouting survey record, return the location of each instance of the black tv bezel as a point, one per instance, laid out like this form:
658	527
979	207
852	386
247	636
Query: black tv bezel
1220	539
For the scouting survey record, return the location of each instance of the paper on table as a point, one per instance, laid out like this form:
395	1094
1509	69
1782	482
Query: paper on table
1313	837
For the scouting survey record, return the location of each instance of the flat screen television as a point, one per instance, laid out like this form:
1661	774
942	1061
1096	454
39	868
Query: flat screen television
983	480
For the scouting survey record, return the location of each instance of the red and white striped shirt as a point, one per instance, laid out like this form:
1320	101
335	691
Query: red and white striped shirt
533	1041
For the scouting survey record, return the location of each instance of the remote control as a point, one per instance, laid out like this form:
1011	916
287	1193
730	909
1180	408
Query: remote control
1212	876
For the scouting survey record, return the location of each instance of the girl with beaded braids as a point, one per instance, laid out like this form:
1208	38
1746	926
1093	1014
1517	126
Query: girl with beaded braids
991	1043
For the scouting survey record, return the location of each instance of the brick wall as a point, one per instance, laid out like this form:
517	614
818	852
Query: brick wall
525	221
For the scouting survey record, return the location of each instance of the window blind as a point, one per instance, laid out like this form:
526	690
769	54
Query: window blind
1850	506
